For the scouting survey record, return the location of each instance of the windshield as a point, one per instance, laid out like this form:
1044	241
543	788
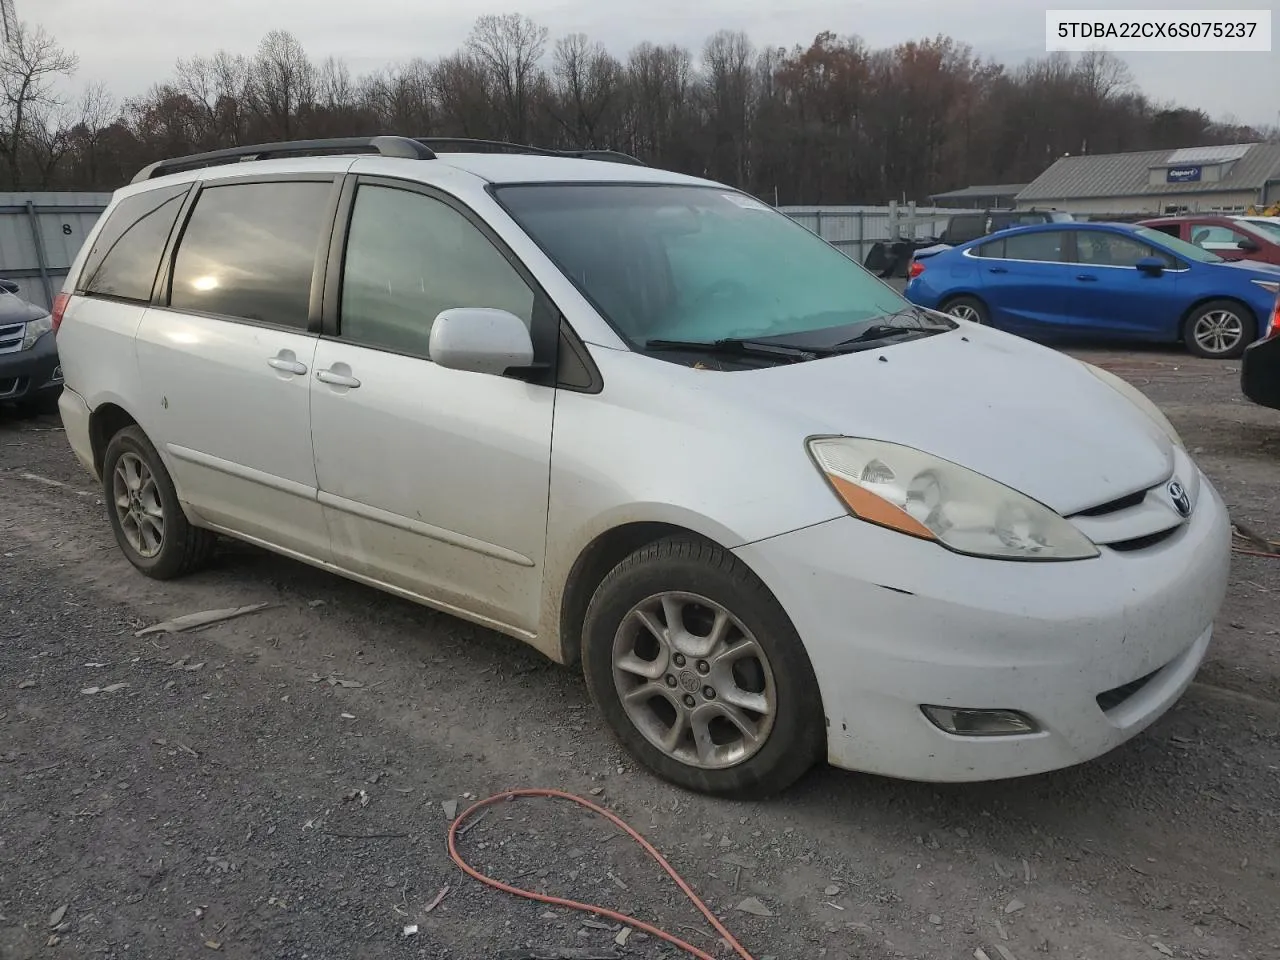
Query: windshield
690	263
1269	228
1188	251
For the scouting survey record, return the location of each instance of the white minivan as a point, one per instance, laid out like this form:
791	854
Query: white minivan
650	425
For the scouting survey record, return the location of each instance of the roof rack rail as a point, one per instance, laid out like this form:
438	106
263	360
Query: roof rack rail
499	146
403	147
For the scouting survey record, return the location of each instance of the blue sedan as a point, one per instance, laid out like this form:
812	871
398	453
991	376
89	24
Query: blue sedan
1103	280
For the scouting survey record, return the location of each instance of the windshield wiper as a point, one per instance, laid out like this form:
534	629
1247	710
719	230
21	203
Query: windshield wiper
883	331
731	346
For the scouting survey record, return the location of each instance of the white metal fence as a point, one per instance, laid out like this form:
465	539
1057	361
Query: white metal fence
40	234
854	229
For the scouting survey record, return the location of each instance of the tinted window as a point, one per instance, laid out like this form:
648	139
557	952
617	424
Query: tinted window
1172	229
410	257
994	249
126	253
249	250
962	229
1100	249
1045	245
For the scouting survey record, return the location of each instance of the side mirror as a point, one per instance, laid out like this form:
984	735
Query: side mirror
9	286
480	340
1248	244
1152	265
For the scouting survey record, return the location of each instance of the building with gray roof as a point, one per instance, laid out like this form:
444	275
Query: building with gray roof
1228	178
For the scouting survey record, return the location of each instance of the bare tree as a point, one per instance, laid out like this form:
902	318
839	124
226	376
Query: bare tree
587	85
727	60
281	84
509	48
30	61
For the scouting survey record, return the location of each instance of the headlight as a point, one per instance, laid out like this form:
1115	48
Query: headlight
36	329
918	494
1137	398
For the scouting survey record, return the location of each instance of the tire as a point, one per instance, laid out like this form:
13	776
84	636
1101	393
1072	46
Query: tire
44	404
967	308
699	578
1227	325
174	548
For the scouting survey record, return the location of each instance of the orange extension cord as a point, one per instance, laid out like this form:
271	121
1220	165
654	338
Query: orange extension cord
587	907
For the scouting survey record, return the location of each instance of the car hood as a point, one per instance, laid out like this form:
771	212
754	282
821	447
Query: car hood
1262	270
14	309
1034	419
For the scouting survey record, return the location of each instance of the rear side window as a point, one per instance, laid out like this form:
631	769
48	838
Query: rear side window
249	251
993	250
1045	246
126	252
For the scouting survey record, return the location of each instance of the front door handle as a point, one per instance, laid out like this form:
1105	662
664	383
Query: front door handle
1087	277
337	379
288	366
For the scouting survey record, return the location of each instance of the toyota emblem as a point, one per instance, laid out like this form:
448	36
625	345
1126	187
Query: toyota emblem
1181	502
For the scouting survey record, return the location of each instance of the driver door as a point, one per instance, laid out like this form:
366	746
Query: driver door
1114	298
432	481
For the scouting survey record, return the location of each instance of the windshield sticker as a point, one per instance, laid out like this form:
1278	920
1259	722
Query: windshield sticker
745	202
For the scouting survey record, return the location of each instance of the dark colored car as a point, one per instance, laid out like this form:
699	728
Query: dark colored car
29	370
964	227
1231	238
1260	368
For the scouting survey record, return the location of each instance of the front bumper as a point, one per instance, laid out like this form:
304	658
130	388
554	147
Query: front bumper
26	374
1260	372
891	623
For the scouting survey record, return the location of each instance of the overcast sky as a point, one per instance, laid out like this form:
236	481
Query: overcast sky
129	44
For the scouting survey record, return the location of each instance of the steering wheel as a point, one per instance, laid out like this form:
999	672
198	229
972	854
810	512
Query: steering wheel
724	287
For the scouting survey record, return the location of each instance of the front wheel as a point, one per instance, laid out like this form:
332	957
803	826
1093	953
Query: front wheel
699	672
1220	329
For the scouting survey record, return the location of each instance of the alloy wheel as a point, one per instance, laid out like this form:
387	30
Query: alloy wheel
962	311
1218	331
694	680
138	507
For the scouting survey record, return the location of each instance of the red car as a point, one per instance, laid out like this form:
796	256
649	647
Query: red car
1229	237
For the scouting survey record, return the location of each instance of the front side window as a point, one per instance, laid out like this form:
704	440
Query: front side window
1044	245
125	256
249	250
408	258
1178	247
692	263
1100	248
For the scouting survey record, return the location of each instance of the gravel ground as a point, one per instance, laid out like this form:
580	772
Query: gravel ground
277	785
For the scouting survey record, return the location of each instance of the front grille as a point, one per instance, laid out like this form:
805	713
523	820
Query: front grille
1108	700
1114	506
1143	543
11	337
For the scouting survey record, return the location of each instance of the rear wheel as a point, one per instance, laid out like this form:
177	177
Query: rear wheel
699	672
146	518
1220	329
967	308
